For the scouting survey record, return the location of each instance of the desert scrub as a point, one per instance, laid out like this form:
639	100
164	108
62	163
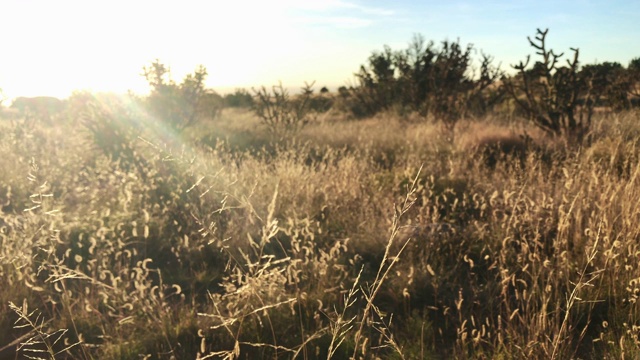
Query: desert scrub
283	115
282	249
258	290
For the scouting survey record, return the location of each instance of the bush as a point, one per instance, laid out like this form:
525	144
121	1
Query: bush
427	80
610	83
240	98
178	106
283	115
321	103
111	123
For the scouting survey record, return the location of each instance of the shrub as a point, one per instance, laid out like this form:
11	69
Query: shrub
283	115
321	103
178	106
427	80
611	84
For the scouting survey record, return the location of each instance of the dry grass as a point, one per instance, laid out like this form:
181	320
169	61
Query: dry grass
228	246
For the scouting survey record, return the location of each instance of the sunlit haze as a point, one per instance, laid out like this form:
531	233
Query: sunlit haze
55	47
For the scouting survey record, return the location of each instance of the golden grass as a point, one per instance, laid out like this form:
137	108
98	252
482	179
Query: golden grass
330	246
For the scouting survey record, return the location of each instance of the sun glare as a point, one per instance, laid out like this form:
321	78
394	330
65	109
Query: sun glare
57	47
103	47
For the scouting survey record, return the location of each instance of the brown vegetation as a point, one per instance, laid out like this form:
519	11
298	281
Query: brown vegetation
324	248
165	228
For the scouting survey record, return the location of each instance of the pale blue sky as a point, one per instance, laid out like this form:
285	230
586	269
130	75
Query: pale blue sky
54	47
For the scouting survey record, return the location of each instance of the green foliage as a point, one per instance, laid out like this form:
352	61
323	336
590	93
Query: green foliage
550	94
427	80
376	90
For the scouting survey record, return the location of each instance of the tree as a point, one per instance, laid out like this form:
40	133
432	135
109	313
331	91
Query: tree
377	84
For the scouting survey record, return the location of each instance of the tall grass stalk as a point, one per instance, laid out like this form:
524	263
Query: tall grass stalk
385	268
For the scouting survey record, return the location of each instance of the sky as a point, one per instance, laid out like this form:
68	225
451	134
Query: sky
52	48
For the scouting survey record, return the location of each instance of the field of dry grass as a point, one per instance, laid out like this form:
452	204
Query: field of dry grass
377	238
